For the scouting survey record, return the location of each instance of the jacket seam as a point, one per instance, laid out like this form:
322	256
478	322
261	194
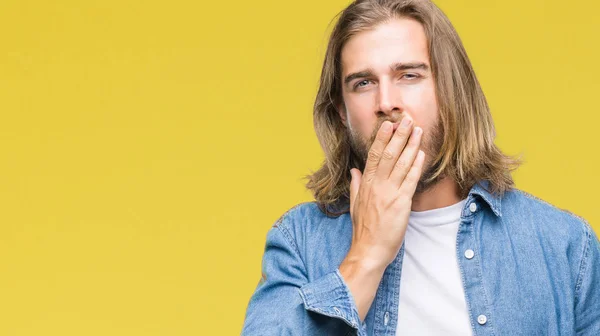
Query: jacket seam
290	241
583	264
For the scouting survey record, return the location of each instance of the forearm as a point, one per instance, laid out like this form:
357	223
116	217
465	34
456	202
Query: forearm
362	277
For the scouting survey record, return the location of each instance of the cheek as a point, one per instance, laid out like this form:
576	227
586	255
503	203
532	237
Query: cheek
360	114
421	102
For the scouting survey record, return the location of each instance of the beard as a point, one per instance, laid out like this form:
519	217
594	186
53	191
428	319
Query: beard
430	145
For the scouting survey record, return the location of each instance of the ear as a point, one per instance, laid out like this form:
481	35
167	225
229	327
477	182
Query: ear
341	108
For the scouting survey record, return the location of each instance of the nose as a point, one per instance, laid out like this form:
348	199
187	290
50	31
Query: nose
388	100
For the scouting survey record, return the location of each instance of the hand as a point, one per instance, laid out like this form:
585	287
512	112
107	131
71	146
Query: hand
381	197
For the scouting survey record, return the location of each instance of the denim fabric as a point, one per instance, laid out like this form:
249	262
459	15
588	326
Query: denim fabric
535	271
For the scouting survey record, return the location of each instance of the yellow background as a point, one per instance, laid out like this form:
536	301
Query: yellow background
147	146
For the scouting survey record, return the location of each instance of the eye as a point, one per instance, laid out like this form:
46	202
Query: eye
411	76
361	83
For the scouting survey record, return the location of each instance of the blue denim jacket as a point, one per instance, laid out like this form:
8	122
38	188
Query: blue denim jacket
536	271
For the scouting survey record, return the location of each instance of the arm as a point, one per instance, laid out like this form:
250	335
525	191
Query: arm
286	303
362	278
380	203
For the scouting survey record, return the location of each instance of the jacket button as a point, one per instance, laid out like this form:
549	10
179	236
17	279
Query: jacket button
481	319
469	254
473	207
386	318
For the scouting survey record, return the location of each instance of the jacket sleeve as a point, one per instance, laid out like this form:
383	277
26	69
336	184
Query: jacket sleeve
587	292
285	302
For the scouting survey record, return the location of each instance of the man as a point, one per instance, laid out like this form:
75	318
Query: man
417	228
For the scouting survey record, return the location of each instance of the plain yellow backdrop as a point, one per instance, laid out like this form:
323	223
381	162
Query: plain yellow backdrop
148	146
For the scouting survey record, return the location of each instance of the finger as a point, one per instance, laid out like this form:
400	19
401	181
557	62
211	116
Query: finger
404	163
381	140
409	185
354	186
394	148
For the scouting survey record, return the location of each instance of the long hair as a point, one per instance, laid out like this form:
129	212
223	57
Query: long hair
468	153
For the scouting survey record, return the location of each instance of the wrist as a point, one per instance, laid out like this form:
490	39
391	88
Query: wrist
365	262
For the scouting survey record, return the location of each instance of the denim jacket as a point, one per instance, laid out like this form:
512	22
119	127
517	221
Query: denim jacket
535	271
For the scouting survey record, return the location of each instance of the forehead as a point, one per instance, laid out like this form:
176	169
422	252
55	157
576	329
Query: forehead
397	40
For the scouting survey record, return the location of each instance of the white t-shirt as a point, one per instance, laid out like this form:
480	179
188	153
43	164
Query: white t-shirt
432	298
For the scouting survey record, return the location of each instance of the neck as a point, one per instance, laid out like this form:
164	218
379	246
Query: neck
442	194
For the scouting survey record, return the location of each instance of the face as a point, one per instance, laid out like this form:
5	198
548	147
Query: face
386	75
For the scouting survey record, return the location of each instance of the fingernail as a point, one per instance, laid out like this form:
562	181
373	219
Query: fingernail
418	130
386	126
405	122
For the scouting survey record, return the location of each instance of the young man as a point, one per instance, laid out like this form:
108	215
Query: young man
417	228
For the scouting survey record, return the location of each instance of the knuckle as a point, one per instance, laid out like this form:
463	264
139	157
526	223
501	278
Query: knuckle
369	172
373	156
402	165
387	155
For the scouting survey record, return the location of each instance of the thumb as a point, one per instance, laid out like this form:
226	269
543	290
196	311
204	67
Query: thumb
354	186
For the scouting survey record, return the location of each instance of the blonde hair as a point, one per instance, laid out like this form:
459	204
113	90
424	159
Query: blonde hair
468	153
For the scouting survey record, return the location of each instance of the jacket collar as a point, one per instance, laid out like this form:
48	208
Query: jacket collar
481	189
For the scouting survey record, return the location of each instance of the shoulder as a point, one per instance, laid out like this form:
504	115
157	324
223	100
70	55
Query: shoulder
298	212
305	215
520	208
307	227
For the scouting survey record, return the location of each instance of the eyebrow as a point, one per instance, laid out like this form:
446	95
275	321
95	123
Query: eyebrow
394	67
